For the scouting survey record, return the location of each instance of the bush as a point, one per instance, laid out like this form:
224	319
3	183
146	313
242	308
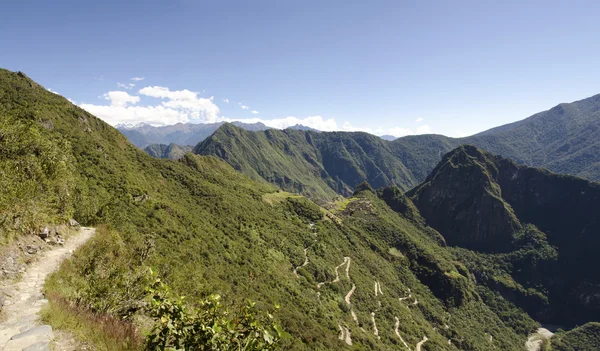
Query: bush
178	327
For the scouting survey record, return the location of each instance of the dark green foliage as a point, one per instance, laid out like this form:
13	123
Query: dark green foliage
565	139
397	201
456	193
318	164
305	208
209	230
36	176
562	209
209	327
584	338
364	186
171	151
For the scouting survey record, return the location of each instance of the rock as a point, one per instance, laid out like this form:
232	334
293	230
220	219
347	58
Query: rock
39	346
74	223
39	331
32	250
44	233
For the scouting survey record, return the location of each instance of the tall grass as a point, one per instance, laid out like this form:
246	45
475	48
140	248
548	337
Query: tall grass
103	332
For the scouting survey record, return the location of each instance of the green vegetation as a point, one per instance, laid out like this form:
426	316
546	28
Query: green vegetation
322	165
584	338
564	139
538	225
208	328
171	151
210	230
36	176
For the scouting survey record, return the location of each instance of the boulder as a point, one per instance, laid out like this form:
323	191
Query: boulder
73	223
44	233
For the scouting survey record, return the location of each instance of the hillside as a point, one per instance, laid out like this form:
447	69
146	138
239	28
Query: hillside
364	269
490	204
564	139
320	164
171	151
143	135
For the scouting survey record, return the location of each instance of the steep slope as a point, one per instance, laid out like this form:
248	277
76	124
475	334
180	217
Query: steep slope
206	228
489	210
564	139
143	135
584	338
319	164
171	151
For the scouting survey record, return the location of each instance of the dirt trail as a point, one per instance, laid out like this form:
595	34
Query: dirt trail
345	335
303	264
20	328
337	273
375	330
420	343
397	332
349	295
534	341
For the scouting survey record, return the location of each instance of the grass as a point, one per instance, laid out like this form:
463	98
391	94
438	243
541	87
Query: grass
102	332
279	197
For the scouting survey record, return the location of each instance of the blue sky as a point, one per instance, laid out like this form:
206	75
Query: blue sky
387	67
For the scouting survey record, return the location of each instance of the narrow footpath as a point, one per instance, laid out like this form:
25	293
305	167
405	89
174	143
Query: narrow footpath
20	329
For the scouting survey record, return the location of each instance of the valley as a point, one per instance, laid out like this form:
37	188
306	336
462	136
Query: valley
339	241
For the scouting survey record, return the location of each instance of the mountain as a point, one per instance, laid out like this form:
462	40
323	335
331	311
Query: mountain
486	203
171	151
388	137
301	127
364	270
143	134
320	164
564	139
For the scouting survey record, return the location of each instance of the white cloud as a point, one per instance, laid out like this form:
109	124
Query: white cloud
178	106
226	100
137	79
424	129
254	112
121	98
124	86
244	107
155	115
52	91
131	85
419	120
203	109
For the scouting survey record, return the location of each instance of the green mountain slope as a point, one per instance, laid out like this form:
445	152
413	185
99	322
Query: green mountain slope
380	278
320	164
564	139
486	203
143	135
171	151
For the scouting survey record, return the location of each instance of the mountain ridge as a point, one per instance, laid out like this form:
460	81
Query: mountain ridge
564	139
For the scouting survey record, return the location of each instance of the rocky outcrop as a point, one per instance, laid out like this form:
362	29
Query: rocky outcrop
462	200
483	202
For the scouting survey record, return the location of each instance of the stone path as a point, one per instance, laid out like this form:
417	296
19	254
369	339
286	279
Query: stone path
20	329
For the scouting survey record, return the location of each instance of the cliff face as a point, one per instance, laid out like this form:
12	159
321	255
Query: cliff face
462	200
482	202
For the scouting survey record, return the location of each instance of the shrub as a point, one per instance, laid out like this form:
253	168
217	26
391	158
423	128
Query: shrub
210	327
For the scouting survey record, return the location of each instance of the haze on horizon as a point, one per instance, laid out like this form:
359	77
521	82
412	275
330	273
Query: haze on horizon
383	67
